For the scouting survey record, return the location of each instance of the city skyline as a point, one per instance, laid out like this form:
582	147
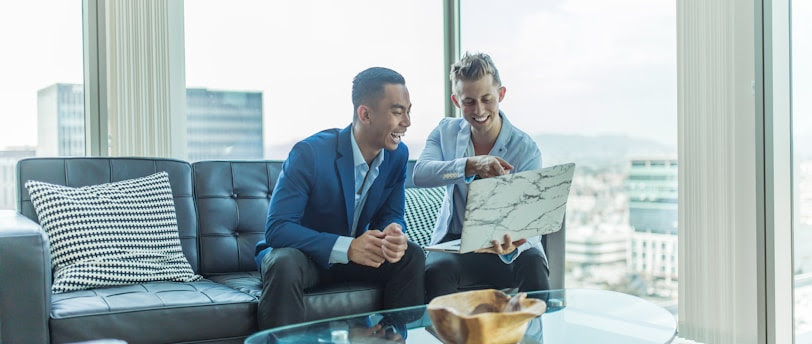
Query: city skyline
221	124
58	59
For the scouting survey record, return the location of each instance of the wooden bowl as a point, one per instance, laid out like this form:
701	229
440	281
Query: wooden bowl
452	318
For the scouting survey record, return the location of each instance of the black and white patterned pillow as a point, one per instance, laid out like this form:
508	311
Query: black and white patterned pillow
111	234
422	206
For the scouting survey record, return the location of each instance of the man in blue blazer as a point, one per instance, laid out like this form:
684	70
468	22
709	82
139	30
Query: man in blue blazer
336	213
482	144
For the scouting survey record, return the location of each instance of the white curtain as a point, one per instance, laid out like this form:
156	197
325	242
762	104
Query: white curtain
719	297
146	78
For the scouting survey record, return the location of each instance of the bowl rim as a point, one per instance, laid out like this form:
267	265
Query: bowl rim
530	306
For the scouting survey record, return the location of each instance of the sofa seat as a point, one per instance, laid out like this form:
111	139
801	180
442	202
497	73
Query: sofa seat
321	301
156	312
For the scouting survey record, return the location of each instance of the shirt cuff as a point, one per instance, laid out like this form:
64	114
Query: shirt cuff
340	248
459	166
510	257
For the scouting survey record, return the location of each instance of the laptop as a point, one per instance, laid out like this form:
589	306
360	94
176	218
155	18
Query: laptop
524	205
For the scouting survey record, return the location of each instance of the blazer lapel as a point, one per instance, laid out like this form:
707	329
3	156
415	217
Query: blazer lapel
346	171
463	139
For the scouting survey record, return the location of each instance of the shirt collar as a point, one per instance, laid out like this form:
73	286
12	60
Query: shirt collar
504	132
358	157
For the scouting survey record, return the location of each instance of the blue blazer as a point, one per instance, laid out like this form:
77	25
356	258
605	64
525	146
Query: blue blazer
313	200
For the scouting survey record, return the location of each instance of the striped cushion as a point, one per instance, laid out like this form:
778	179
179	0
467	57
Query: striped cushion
422	206
111	234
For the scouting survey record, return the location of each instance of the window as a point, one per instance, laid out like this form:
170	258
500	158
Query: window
289	67
595	84
801	32
43	102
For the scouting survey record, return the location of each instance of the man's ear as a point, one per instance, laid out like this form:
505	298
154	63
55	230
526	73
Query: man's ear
502	91
363	114
455	100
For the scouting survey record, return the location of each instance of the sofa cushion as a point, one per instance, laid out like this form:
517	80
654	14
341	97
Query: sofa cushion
321	302
154	312
110	234
422	206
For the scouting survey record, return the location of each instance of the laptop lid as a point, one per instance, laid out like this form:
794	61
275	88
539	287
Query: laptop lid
525	205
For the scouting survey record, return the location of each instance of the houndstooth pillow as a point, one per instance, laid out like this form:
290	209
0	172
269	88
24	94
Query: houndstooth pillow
111	234
422	206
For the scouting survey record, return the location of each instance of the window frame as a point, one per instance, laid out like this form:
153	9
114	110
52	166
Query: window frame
775	177
95	73
772	138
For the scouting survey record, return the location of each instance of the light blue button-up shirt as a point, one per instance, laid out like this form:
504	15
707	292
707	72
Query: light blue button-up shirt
364	177
442	163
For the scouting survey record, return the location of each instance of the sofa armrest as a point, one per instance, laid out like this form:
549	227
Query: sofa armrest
555	246
25	280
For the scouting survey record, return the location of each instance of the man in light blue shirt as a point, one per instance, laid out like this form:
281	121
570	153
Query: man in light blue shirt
482	144
336	212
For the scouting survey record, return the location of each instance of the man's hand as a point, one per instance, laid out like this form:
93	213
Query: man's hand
366	249
394	243
487	166
504	248
374	334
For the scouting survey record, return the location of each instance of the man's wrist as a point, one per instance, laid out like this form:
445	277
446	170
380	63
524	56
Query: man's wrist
340	253
470	171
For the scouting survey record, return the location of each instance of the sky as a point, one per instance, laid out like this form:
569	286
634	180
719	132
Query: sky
42	45
573	67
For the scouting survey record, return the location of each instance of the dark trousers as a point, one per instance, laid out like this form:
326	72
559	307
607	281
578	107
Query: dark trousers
446	273
287	272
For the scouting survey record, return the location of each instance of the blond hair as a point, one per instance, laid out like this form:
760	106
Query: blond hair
472	67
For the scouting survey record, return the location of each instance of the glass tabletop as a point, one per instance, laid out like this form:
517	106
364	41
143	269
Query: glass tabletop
572	316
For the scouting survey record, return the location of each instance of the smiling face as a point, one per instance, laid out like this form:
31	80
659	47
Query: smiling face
479	102
383	123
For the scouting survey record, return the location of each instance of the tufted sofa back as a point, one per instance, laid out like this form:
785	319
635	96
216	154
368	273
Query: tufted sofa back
221	205
232	201
77	172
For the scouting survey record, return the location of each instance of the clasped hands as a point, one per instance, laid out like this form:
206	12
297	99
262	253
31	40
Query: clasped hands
374	247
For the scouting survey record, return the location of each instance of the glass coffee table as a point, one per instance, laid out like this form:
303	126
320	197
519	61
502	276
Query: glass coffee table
572	316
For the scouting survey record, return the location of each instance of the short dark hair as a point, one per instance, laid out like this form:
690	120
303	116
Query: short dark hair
369	85
474	66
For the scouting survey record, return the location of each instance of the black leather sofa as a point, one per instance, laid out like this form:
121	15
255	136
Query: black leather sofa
220	207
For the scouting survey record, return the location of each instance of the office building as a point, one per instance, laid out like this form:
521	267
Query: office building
652	189
597	229
592	247
61	120
220	124
223	124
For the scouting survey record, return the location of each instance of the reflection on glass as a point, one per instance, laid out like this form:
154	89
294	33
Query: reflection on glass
582	316
801	33
595	83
